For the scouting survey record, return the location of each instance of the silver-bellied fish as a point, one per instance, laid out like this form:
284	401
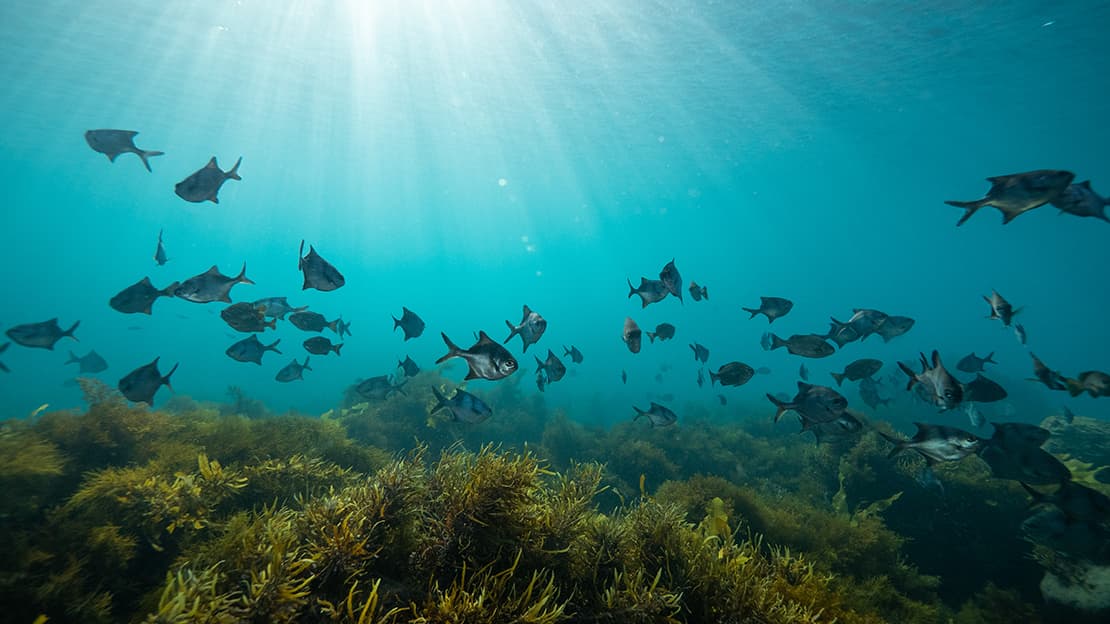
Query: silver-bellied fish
1082	201
531	328
463	406
936	443
204	184
671	279
112	143
941	388
211	286
160	257
485	359
277	307
649	291
631	335
658	415
1017	193
292	371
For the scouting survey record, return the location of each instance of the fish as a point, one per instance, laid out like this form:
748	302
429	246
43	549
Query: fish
765	341
204	184
211	286
408	366
574	353
631	335
722	399
88	363
277	307
701	377
1077	501
1016	435
1000	308
671	279
312	321
160	257
318	273
378	388
659	415
1018	193
411	324
972	363
763	370
894	326
771	307
833	431
815	404
624	377
139	297
140	385
251	349
663	331
803	372
1094	383
318	345
1019	333
698	292
42	335
650	291
1079	540
866	322
3	348
531	328
485	359
927	479
1050	378
869	392
292	371
552	368
841	332
860	369
936	443
701	354
983	390
1082	201
112	143
1027	464
1065	413
805	345
942	389
463	406
732	374
342	327
247	317
976	417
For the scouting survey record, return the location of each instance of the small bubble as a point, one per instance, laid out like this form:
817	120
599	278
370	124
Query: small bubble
530	248
661	138
502	182
524	238
539	273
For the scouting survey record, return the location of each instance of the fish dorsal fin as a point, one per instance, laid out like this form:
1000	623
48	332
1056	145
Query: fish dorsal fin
1086	184
212	164
921	427
213	271
483	338
803	386
146	280
155	362
998	179
527	311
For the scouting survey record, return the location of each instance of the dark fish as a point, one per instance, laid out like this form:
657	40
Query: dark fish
631	335
342	327
292	371
659	415
553	368
771	307
42	335
983	390
3	348
866	322
89	363
698	292
1050	378
732	374
940	387
411	324
486	359
869	392
1082	201
211	286
894	326
833	431
722	399
765	341
857	370
763	370
805	345
624	377
1066	414
318	273
1094	383
1000	308
663	331
378	388
312	321
251	349
976	417
112	143
1018	193
816	404
463	406
531	328
1012	436
658	377
140	384
841	333
160	251
1078	540
205	183
574	353
318	345
1028	464
937	443
803	372
701	377
671	279
972	363
650	291
247	317
1019	333
701	354
408	365
1078	502
277	307
139	297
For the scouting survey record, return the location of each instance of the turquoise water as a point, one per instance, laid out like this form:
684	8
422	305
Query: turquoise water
463	159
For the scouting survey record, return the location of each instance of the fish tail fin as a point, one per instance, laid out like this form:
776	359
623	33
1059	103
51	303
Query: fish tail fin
441	401
907	370
970	208
705	293
651	337
332	325
300	256
166	377
396	322
749	311
69	332
899	445
781	407
631	288
72	358
242	277
713	377
452	349
839	377
777	342
305	365
273	347
144	155
337	347
566	351
272	324
1073	386
639	413
234	173
512	332
169	290
989	358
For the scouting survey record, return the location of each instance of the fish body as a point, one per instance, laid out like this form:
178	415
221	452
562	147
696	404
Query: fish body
292	371
701	354
732	374
342	328
815	404
983	390
140	385
1019	333
631	335
894	326
277	307
659	415
860	369
1082	201
671	279
408	367
88	363
318	273
312	321
552	369
841	332
574	353
937	443
42	335
805	345
463	406
698	292
160	257
411	324
869	392
1050	378
1077	501
771	307
1027	464
378	388
765	341
939	386
972	363
211	286
1018	193
531	328
486	359
247	317
1000	308
139	297
650	291
251	349
318	345
833	431
204	184
112	143
866	322
663	331
1094	383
